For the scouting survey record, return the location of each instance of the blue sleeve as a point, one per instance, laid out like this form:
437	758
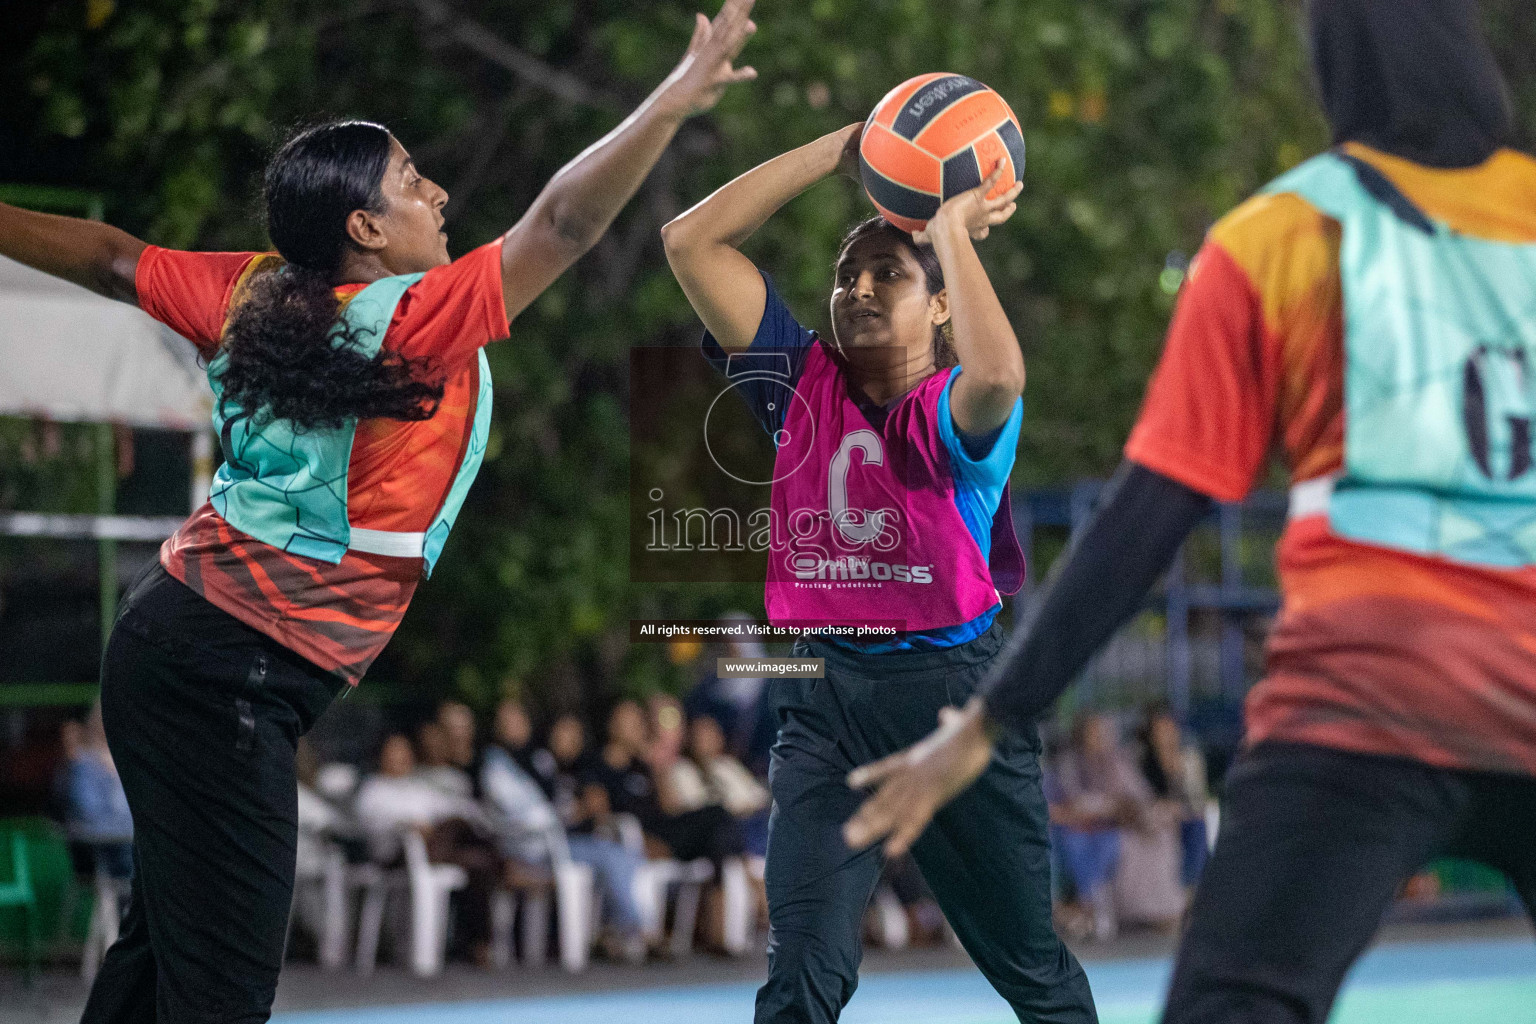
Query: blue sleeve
770	365
980	468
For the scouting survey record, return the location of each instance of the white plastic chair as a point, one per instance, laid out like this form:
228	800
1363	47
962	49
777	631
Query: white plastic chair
890	920
739	907
106	917
335	881
655	879
429	886
576	907
322	891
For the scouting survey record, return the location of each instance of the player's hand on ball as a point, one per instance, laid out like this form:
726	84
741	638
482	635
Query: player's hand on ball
699	80
911	786
848	155
972	209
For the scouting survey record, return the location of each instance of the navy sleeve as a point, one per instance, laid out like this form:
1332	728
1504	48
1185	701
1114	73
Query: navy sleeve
1096	585
771	365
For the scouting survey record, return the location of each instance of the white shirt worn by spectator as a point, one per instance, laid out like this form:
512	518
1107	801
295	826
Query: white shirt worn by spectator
451	780
387	805
723	780
527	818
689	789
735	787
317	818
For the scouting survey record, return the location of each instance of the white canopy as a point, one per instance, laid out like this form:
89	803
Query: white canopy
68	354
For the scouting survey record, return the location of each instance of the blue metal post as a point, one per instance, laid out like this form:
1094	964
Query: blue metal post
1177	615
1233	683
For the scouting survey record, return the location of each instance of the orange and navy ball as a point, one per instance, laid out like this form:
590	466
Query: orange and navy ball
931	138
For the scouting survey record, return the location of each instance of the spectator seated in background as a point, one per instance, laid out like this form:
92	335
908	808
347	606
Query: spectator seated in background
455	829
573	763
528	819
636	772
711	775
733	702
320	821
637	778
512	731
433	766
1175	774
1118	849
461	739
91	798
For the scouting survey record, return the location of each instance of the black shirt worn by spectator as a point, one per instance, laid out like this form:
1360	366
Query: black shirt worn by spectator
708	832
631	790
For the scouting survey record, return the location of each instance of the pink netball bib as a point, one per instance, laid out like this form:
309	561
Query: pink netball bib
866	525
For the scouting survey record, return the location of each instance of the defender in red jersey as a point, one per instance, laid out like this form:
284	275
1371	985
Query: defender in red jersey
352	401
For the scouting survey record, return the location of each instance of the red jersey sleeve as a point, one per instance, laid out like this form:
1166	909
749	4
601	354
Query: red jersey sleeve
1209	412
453	310
189	291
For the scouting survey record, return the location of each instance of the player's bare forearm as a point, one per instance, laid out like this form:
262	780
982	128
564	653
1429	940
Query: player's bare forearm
585	195
733	212
703	243
582	199
91	254
992	366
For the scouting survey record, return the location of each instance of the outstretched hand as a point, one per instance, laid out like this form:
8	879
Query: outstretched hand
973	210
911	785
700	79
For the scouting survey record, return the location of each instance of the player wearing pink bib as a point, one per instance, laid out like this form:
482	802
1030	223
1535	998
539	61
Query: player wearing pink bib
883	537
894	441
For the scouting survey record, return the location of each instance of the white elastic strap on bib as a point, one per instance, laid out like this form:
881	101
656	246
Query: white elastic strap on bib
388	542
1308	498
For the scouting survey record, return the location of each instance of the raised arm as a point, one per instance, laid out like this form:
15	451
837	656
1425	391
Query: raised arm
991	365
93	255
584	196
703	244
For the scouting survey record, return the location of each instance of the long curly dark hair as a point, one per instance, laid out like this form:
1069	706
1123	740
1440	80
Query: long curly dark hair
289	354
933	276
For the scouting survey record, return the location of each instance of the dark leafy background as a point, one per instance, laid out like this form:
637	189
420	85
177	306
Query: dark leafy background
1144	119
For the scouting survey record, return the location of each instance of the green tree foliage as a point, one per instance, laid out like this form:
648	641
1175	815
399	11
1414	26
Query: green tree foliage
1144	120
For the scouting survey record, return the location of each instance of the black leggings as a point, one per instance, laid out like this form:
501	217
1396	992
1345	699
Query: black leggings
202	715
986	855
1314	845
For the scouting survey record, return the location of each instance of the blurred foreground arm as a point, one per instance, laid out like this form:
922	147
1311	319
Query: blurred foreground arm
1098	583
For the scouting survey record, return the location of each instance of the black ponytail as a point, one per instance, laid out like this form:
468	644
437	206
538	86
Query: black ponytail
933	276
287	356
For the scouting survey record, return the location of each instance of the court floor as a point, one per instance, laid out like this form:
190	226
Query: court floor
1460	982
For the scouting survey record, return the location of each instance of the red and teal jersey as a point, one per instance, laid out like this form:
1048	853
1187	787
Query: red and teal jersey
340	615
1375	650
